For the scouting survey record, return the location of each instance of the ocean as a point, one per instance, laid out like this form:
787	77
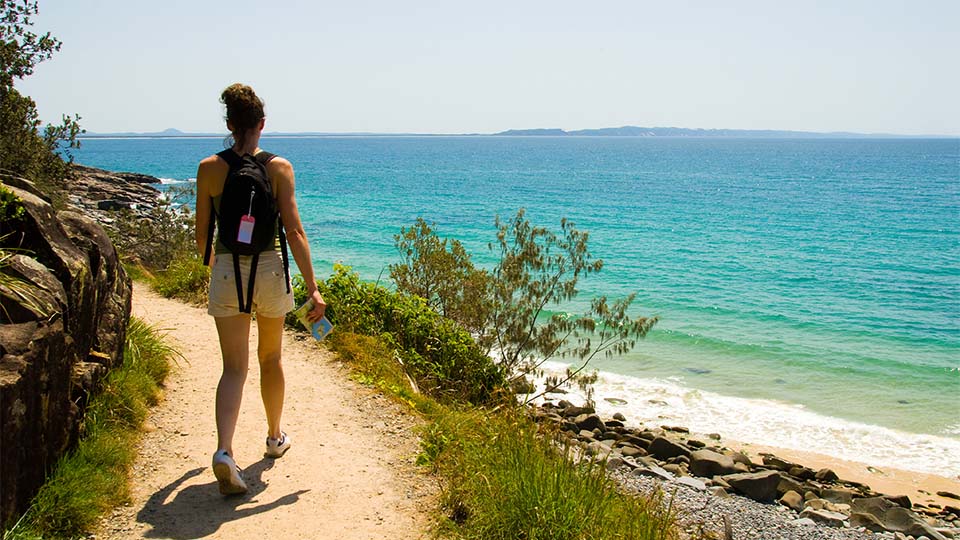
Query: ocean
808	290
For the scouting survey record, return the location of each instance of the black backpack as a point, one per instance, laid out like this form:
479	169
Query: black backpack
247	193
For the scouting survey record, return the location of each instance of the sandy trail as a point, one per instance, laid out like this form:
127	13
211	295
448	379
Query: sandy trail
348	475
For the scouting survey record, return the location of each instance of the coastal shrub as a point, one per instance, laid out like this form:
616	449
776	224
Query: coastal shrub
504	480
437	353
441	272
161	238
537	270
93	478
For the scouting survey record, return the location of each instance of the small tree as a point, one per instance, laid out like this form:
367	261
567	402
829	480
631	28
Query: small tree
537	269
440	271
25	149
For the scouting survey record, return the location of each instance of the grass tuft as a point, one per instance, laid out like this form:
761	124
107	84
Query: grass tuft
186	278
93	478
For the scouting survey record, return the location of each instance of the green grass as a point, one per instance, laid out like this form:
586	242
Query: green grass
504	479
186	278
93	478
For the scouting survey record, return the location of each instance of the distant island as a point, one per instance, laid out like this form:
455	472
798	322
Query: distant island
624	131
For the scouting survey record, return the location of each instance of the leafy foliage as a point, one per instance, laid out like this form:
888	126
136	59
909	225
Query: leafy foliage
440	271
441	356
538	269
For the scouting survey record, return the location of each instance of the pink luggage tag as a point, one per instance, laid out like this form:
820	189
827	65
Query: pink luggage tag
245	232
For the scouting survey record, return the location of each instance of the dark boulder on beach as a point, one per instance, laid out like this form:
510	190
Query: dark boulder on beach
707	463
759	486
664	448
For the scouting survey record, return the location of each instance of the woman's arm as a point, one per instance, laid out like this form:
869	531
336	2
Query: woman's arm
282	171
204	206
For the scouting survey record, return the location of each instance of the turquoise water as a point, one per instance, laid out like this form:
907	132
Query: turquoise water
818	275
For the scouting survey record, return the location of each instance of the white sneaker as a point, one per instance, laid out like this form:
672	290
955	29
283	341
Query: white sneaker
228	474
277	447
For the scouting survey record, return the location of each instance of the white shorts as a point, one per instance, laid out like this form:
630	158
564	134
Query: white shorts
270	296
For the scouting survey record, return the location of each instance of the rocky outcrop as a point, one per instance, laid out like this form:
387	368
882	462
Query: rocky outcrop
99	193
62	326
670	453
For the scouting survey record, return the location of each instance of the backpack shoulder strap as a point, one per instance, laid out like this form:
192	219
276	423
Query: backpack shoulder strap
264	157
231	157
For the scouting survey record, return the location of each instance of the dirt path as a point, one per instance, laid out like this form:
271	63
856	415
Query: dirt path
348	475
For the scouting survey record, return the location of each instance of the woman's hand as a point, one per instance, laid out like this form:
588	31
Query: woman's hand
319	307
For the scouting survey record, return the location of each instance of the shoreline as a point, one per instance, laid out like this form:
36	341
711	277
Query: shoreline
922	488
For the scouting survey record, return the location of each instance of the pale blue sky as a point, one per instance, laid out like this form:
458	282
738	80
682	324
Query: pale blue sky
456	67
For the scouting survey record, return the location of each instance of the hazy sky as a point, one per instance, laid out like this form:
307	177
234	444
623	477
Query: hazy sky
450	66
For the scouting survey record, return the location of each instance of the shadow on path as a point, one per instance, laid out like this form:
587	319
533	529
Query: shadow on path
198	511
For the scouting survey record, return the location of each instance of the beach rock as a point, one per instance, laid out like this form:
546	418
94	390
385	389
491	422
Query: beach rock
694	443
826	475
948	494
653	470
773	462
708	464
788	483
690	481
899	519
867	521
589	422
792	499
900	500
577	411
826	517
838	495
803	473
620	417
739	457
759	486
664	448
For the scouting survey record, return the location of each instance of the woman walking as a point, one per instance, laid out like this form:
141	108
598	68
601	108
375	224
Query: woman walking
231	279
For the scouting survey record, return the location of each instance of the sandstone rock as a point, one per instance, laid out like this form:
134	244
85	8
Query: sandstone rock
654	471
708	464
633	451
759	486
774	462
826	475
867	521
900	500
838	495
674	469
826	517
664	448
691	482
788	483
803	473
792	499
899	519
576	411
588	422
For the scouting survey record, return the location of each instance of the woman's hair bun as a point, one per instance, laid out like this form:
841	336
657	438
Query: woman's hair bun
244	108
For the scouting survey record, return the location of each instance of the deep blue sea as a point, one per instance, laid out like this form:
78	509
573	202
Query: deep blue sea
808	290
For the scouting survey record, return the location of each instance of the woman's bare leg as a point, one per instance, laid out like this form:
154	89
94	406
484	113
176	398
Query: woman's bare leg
234	346
270	330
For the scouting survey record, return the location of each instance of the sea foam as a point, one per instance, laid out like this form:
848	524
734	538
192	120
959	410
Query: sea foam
657	402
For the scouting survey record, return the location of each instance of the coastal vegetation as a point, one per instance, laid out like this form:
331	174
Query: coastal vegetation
94	477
